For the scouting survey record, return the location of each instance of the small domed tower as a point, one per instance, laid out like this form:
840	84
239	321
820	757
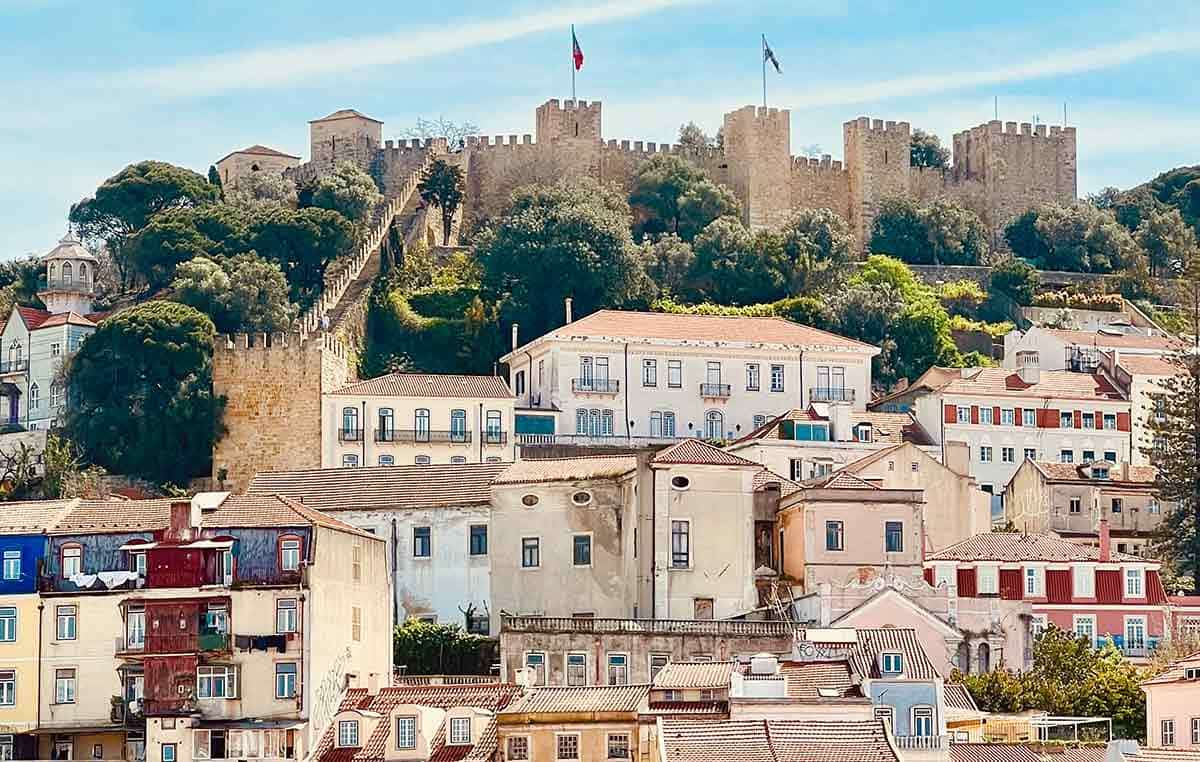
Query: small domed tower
70	277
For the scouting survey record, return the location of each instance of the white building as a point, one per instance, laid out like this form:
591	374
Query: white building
34	342
435	520
625	376
1080	351
418	419
1006	417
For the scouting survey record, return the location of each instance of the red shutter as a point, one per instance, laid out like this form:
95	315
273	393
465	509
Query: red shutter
951	414
974	413
1122	421
929	575
1155	594
1017	417
1049	418
996	415
1058	585
966	583
1010	584
1079	419
1099	419
1108	586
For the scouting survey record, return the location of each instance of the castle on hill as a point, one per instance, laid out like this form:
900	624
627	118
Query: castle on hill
999	169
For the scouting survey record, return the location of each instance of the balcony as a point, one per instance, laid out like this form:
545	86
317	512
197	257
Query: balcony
13	366
213	641
58	284
715	391
350	435
495	437
822	394
595	386
406	436
922	742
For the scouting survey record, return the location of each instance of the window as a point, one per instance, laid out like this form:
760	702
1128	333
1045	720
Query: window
680	544
649	372
987	581
1168	732
657	662
1110	421
1118	505
518	748
862	432
286	615
8	690
893	536
460	730
656	424
458	425
1133	583
216	682
776	378
537	661
458	460
712	372
350	423
8	624
668	424
520	382
985	454
1008	454
1006	416
347	733
1085	627
1066	456
886	714
1083	581
531	552
892	663
577	669
167	753
1135	632
55	349
356	626
1030	453
135	629
1032	581
349	461
406	732
618	746
758	421
1089	420
72	560
227	567
1066	420
567	746
387	460
35	397
1028	417
985	415
1152	507
285	680
834	535
421	460
1076	505
752	377
1196	731
479	537
1110	456
64	686
137	563
714	425
581	550
65	617
1088	456
386	421
922	717
964	414
12	564
674	373
289	554
421	424
618	669
422	542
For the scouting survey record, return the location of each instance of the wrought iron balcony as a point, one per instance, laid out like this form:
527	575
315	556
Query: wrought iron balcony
404	436
14	366
58	284
922	742
827	394
715	390
595	385
350	435
495	437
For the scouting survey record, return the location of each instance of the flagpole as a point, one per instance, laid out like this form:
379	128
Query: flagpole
763	56
572	62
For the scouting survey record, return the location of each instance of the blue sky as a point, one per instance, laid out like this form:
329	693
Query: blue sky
89	87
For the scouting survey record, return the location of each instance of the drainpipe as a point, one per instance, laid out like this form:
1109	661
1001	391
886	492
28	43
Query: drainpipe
625	396
41	638
392	571
363	431
480	432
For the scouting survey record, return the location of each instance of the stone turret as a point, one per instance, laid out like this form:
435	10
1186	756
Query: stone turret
344	135
758	152
70	277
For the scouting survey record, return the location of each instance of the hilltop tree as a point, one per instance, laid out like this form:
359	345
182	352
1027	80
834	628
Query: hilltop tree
245	293
1077	237
214	177
927	151
125	202
141	394
348	190
669	262
1017	279
672	196
692	138
442	185
455	133
817	246
943	233
1167	240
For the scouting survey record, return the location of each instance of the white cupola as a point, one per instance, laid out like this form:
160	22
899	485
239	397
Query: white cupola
70	277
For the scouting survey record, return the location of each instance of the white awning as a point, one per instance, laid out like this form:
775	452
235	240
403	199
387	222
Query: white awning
138	546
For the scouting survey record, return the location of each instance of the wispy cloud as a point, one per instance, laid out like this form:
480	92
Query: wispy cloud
294	64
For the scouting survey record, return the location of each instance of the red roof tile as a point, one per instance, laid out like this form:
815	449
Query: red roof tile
1053	385
1113	340
694	674
840	480
696	452
1146	365
592	698
958	697
992	752
382	488
531	471
776	741
767	476
345	113
32	316
1123	473
67	318
1013	546
430	385
808	681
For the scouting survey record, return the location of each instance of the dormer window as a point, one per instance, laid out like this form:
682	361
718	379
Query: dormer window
406	732
289	554
1099	472
460	730
862	432
347	735
72	560
1191	673
892	663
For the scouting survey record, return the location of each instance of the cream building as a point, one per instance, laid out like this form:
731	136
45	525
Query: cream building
417	418
257	158
638	376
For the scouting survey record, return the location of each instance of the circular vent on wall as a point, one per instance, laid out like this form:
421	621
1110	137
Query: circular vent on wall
530	500
680	482
582	497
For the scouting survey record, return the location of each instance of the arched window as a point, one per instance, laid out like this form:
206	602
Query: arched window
255	168
56	395
963	658
421	424
83	273
714	425
422	460
35	397
606	423
72	560
53	273
581	421
985	657
458	425
386	425
14	355
387	460
67	277
350	423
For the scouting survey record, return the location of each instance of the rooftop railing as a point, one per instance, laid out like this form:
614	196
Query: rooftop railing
634	626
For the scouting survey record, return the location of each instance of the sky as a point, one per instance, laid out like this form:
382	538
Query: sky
89	87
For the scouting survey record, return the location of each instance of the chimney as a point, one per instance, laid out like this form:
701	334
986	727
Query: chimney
1029	366
514	335
1105	542
568	301
182	521
373	684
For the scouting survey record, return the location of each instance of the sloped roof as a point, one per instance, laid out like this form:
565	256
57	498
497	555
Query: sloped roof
32	517
272	511
840	480
991	752
694	674
567	469
886	428
344	113
382	488
687	740
705	328
261	150
430	385
69	247
1052	385
874	641
698	453
592	698
958	697
67	318
108	516
32	316
1148	365
767	476
804	680
1109	340
1080	472
1014	546
1177	671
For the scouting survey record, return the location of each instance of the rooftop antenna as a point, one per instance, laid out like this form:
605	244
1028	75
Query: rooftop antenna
1064	113
996	107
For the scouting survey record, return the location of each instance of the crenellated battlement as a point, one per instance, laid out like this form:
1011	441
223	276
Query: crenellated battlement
482	141
571	105
823	165
284	343
1016	130
648	148
887	127
415	144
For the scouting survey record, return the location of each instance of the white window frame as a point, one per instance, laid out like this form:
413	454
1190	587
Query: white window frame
456	736
985	454
1028	417
1090	620
674	374
1032	581
1083	581
347	734
687	535
1167	731
287	616
8	688
558	747
891	663
209	675
66	622
962	414
985	415
12	565
1135	582
8	624
650	372
753	379
65	684
1008	454
609	745
778	377
288	682
569	668
991	574
514	756
609	666
408	739
1007	416
590	548
921	721
537	547
1130	619
1038	624
541	656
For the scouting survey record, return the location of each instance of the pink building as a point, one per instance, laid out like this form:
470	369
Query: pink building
1172	710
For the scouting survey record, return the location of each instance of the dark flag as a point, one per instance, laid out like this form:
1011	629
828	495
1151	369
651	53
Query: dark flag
769	56
577	52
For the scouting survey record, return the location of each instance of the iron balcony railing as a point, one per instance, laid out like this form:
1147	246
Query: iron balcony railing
715	390
825	394
595	385
14	366
350	435
58	284
922	742
495	437
404	436
723	627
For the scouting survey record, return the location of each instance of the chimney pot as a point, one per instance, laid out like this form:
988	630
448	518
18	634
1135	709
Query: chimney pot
514	335
1105	542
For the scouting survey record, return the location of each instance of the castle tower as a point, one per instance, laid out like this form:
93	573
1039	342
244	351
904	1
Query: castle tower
878	162
573	129
344	135
758	152
70	277
256	158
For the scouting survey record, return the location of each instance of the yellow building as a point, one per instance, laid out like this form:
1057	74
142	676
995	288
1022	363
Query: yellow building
588	724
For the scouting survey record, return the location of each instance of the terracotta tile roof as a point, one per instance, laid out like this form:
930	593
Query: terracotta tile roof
992	752
344	113
696	452
108	516
886	428
261	150
805	679
32	517
875	641
1113	340
382	488
1083	754
840	480
1079	472
1161	754
567	469
1014	546
430	385
694	674
767	476
1053	385
1148	365
32	316
958	697
705	328
272	511
485	746
67	318
776	741
593	698
1176	672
